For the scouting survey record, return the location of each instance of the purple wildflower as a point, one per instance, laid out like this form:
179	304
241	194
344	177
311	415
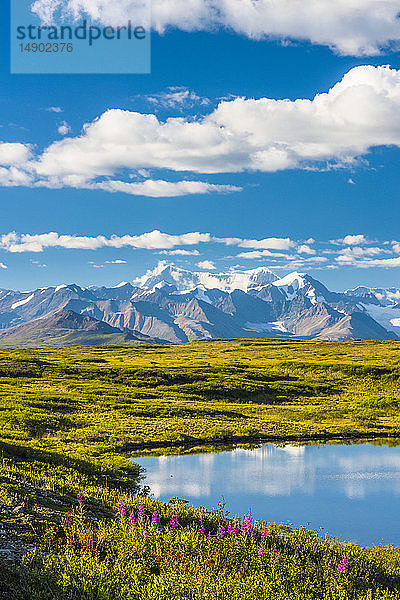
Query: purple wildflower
122	509
232	529
154	518
132	519
247	525
201	529
79	497
264	535
343	565
260	552
173	524
221	531
141	513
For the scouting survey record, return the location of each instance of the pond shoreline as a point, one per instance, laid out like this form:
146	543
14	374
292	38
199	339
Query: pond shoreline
266	439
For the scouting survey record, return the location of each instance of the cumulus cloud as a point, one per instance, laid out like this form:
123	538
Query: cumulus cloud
14	155
358	113
256	254
358	252
359	27
333	129
207	265
64	128
388	263
164	189
3	266
116	262
305	249
154	240
180	252
55	109
353	240
177	98
274	252
265	244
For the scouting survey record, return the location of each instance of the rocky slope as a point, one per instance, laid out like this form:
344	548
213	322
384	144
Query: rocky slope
176	305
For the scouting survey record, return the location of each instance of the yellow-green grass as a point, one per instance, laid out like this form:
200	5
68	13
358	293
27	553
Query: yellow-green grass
91	404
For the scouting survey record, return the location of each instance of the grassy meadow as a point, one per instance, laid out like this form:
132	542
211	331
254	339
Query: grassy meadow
71	418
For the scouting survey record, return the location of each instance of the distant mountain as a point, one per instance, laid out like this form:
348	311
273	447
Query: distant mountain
183	281
65	327
177	305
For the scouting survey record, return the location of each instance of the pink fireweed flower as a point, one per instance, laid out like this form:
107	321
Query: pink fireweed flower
122	509
141	513
264	535
221	531
201	529
154	518
277	555
79	497
173	524
232	529
132	519
247	525
260	552
343	565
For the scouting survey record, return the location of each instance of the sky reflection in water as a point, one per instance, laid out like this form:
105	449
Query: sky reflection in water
353	492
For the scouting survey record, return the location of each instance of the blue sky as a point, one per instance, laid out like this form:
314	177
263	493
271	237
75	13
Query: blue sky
339	211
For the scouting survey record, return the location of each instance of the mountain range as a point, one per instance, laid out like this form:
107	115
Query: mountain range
170	304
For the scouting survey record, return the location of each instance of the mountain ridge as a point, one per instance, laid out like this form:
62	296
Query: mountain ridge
176	305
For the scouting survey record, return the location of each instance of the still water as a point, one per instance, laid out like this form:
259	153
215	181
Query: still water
351	491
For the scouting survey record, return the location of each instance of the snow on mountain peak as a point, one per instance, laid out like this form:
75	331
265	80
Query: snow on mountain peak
120	285
184	281
294	282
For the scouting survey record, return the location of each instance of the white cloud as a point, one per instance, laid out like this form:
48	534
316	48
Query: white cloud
353	240
265	244
64	128
14	155
13	176
178	98
388	263
256	254
334	128
305	249
164	189
351	181
360	112
207	265
154	240
357	27
55	109
116	262
3	266
284	252
180	252
358	252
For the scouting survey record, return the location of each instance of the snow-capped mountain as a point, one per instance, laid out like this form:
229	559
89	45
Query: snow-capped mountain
184	281
178	305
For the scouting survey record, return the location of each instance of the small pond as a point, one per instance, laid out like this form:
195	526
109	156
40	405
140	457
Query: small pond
351	491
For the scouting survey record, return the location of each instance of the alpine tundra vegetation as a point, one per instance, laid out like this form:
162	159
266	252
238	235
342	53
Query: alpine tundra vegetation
77	523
